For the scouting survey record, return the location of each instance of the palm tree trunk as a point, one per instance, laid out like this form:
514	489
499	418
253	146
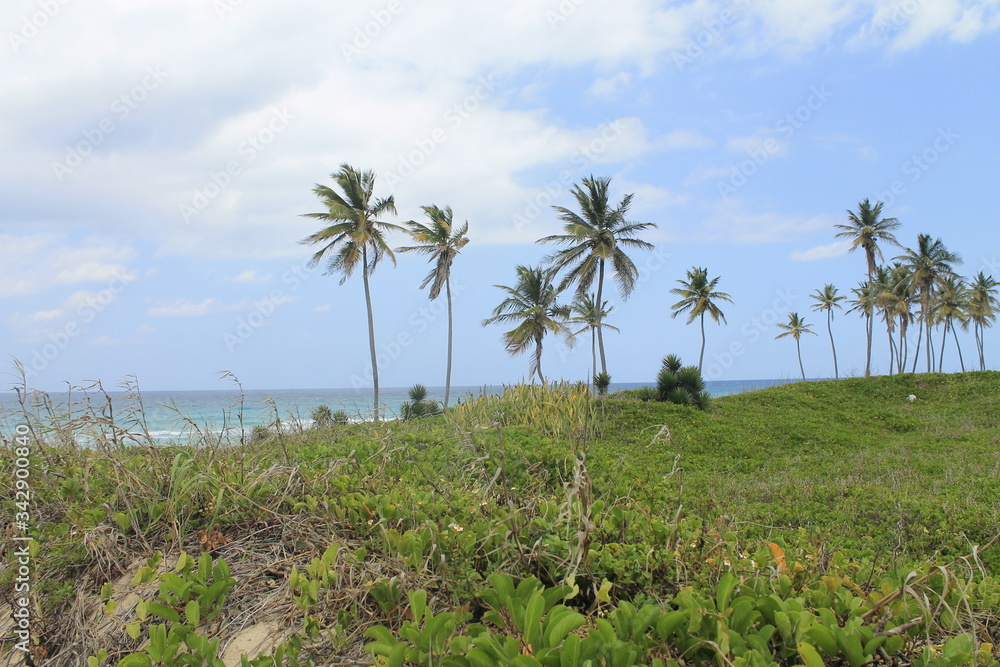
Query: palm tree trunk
958	347
447	376
600	304
593	358
798	350
903	351
925	313
538	359
916	353
930	349
829	330
944	339
892	349
977	329
868	348
702	355
371	326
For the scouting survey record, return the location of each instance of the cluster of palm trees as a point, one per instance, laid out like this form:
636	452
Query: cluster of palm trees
919	286
356	238
596	239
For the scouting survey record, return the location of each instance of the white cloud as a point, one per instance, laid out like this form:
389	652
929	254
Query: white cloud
820	252
185	308
682	139
249	276
31	264
610	87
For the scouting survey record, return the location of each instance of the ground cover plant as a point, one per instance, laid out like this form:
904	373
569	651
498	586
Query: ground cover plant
814	523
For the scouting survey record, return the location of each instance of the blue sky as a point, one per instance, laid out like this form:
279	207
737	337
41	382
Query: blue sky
158	159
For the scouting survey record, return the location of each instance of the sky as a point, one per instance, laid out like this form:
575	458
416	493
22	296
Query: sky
158	158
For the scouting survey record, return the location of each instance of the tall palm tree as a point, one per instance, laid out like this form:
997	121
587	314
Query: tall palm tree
355	238
867	228
442	242
983	307
929	264
533	304
585	311
598	235
827	299
865	295
897	301
952	304
795	328
698	297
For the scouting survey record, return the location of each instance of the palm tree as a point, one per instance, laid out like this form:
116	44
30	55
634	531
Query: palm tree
441	241
952	304
795	328
897	301
597	235
697	295
929	264
866	229
356	237
532	304
827	299
585	311
982	309
864	299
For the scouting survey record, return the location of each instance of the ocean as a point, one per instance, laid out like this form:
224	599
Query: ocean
178	415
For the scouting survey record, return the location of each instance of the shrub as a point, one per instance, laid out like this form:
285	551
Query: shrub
683	385
322	416
418	405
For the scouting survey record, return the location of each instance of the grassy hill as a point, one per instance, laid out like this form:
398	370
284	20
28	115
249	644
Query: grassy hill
779	527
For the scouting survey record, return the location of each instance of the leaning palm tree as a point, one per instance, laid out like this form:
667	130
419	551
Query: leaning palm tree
698	297
533	304
952	305
867	228
827	299
585	311
442	242
795	328
929	264
598	235
983	307
356	237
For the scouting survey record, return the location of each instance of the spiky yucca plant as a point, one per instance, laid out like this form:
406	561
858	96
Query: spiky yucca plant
683	385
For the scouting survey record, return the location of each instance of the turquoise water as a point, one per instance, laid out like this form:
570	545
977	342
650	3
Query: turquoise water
169	415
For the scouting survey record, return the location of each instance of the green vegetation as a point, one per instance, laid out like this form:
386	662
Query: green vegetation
814	523
680	384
